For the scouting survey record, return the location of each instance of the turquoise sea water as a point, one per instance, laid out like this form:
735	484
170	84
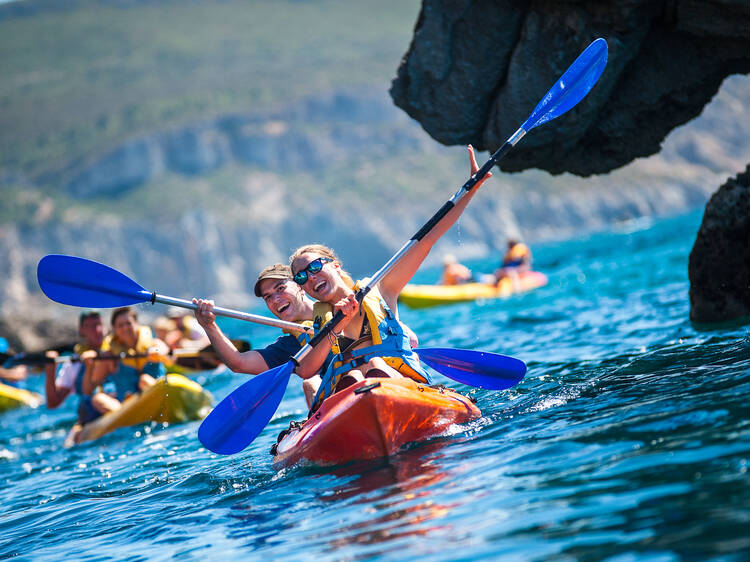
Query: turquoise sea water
628	439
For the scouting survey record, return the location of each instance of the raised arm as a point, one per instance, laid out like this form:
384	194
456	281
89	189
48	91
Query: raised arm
392	284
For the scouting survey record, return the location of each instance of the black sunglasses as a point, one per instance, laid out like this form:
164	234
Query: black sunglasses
313	267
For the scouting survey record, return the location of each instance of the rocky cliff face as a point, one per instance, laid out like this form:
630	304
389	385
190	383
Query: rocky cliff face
308	136
208	251
476	69
720	261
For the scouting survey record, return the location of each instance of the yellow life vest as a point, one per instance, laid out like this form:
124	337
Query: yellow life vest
145	340
81	347
379	319
302	337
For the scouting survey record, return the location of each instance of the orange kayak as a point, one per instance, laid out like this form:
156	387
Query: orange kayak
371	419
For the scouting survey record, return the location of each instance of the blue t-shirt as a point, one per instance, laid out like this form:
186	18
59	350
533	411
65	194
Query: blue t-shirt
282	350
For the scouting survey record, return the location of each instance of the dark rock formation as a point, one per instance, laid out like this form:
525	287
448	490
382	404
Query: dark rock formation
719	266
476	69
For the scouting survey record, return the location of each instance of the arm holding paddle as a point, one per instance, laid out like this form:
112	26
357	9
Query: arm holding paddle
53	394
313	361
98	373
397	278
250	362
390	285
13	374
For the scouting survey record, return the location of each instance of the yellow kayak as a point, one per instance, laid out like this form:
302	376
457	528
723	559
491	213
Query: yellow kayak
12	397
423	296
173	399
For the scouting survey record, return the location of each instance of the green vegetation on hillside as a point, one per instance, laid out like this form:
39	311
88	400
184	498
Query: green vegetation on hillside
83	77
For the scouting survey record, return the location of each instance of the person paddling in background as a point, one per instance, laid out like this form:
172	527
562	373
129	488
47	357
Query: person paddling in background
286	301
129	374
454	273
369	341
163	327
517	260
60	383
187	332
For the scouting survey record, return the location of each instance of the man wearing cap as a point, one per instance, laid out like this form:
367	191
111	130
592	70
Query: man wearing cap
69	379
286	300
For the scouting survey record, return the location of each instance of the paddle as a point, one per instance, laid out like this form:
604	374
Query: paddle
198	359
238	419
81	282
241	416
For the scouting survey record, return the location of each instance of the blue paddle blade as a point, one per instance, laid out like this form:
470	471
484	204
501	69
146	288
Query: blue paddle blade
81	282
240	417
474	368
572	86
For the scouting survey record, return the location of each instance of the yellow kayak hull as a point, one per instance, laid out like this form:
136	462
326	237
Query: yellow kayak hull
173	399
423	296
12	397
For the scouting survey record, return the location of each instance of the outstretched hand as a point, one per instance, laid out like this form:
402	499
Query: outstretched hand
475	166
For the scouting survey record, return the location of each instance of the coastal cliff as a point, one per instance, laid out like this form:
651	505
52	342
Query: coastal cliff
233	202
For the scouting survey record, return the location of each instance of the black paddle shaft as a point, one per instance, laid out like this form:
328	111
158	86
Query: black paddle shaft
328	328
429	225
465	188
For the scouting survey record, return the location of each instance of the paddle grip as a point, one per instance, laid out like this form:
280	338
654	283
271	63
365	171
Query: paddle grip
328	327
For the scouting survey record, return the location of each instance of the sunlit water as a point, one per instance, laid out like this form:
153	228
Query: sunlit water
628	439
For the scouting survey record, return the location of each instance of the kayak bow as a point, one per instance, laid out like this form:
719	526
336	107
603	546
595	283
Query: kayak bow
371	419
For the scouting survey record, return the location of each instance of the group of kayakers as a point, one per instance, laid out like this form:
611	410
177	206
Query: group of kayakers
131	358
517	259
369	341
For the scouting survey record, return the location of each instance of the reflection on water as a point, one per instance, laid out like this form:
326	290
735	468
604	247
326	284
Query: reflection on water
391	497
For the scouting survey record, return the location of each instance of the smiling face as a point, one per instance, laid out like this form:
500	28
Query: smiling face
326	285
285	299
126	329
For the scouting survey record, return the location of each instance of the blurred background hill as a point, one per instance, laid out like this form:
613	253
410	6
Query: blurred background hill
190	143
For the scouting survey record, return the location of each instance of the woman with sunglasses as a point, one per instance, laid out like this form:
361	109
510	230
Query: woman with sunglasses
369	341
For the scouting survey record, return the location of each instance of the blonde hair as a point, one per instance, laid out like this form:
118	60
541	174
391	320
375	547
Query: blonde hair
323	251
